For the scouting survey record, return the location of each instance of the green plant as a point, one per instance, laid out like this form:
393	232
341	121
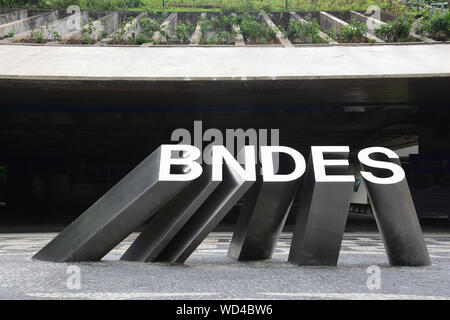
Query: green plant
255	32
304	32
12	3
218	29
104	22
148	26
216	5
56	36
87	33
184	31
37	35
350	33
436	26
118	35
144	28
103	34
395	31
140	39
11	33
45	33
267	8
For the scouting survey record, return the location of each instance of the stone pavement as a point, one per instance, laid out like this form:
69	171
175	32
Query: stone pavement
210	274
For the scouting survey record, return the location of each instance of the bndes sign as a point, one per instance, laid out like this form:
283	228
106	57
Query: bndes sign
186	200
324	200
322	158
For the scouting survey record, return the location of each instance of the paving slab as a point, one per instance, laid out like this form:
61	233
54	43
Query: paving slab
224	63
210	274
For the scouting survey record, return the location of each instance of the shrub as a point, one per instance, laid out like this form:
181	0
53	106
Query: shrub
83	4
38	36
218	23
255	32
218	29
148	26
395	31
13	3
353	32
437	26
182	33
306	32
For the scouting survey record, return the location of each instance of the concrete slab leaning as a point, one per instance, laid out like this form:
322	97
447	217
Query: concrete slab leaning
26	24
168	221
328	21
13	16
125	207
283	40
323	35
376	23
206	218
167	26
197	36
94	30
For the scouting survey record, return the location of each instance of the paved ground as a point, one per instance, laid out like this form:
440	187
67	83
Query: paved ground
209	274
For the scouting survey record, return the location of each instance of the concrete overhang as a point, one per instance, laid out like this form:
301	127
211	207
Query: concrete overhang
225	76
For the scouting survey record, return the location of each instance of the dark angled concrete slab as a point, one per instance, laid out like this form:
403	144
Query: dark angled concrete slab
321	217
207	217
261	219
396	217
171	218
126	206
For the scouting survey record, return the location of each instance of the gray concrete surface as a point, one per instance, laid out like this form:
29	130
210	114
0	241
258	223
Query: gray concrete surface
94	31
220	63
12	16
23	25
210	274
60	27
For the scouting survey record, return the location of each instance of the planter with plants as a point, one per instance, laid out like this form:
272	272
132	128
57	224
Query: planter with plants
138	30
255	31
180	35
218	29
435	26
98	27
299	32
396	31
183	30
354	32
